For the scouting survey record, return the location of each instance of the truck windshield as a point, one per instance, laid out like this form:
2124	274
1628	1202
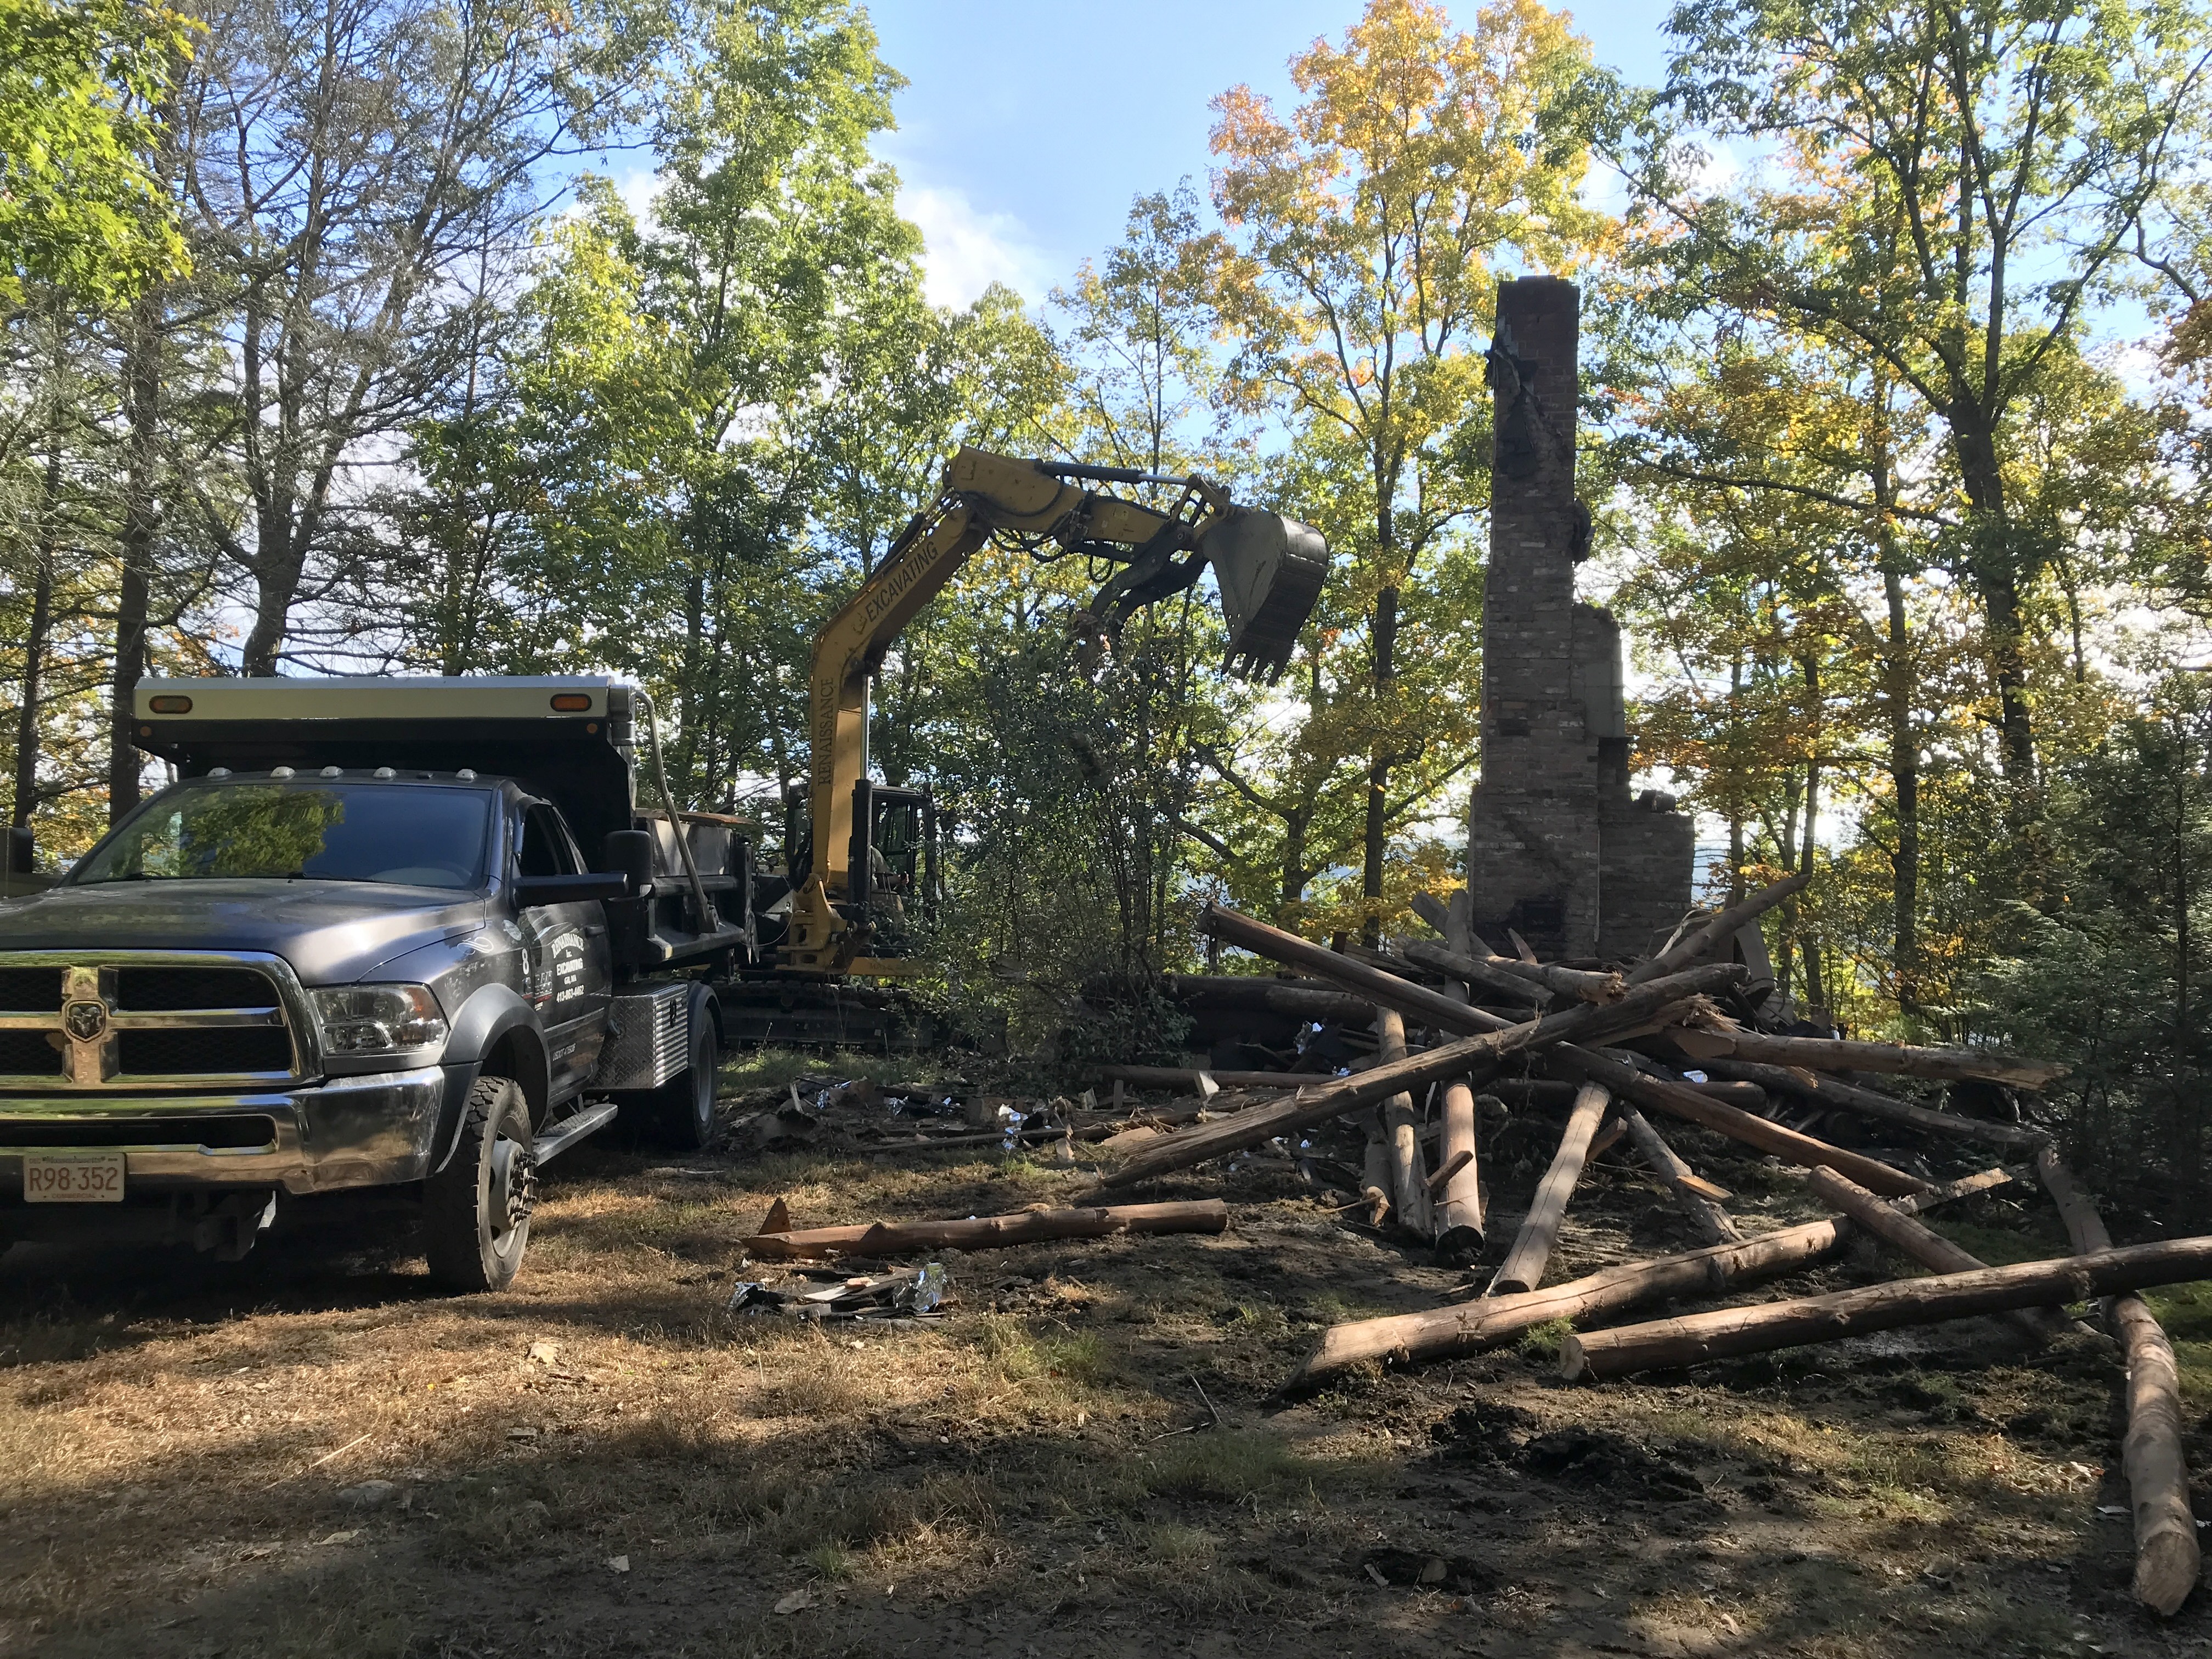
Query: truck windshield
408	836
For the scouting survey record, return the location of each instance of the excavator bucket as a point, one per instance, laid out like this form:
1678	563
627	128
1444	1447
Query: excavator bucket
1270	569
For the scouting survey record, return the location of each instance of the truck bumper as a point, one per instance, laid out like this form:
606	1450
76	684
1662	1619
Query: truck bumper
349	1131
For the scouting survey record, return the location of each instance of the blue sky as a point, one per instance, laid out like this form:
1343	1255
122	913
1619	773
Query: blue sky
1026	129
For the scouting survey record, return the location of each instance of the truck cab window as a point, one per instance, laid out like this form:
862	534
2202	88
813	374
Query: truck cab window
545	850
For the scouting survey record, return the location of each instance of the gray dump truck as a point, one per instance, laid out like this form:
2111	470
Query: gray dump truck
391	939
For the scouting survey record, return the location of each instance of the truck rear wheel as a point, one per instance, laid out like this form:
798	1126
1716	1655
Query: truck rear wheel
476	1211
680	1113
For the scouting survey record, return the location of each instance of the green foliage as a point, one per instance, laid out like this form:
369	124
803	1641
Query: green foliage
81	87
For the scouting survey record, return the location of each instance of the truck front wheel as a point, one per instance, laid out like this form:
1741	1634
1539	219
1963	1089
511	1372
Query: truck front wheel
476	1211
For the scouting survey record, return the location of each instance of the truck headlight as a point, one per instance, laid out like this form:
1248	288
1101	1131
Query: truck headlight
378	1019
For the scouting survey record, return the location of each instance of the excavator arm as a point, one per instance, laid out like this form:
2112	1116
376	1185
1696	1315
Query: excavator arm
1269	570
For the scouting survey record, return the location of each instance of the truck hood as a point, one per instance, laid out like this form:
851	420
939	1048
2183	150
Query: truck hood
332	933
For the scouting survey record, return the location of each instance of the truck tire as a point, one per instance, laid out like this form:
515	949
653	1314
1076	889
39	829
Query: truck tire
476	1211
679	1115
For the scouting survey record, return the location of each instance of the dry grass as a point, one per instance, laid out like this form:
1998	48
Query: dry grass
175	1436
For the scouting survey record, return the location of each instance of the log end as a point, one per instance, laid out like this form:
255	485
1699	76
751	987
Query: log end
1572	1366
1459	1247
2167	1565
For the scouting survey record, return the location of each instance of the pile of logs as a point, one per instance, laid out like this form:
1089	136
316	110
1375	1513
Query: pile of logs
1445	1024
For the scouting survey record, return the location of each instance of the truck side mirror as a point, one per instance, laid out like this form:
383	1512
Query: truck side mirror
21	851
629	852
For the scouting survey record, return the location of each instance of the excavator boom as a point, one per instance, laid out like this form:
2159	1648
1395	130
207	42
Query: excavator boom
1269	570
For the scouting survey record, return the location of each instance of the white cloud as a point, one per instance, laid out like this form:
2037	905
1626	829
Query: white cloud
967	249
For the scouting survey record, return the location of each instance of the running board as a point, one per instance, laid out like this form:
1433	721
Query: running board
559	1138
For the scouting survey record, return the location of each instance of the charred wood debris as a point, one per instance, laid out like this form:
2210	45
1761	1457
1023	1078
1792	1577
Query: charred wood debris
1380	1080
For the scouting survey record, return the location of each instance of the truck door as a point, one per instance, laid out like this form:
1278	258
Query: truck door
571	974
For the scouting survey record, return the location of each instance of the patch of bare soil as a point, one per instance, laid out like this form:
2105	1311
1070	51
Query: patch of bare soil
309	1453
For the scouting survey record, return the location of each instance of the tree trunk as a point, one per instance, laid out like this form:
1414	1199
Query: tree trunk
1905	775
1469	1326
1815	994
2168	1557
142	400
1727	1333
1523	1268
1994	569
35	637
1378	769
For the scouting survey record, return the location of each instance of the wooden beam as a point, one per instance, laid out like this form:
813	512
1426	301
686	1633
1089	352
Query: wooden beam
2168	1558
1678	1101
990	1231
1671	1344
1523	1268
1470	1327
1458	1218
1715	933
1891	1058
1476	1056
1869	1103
1704	1212
1401	1134
1920	1242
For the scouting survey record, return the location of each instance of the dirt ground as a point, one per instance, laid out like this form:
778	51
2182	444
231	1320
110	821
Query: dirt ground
605	1461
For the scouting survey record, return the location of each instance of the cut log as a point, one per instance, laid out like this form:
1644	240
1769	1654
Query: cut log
1470	1327
1474	1056
1375	1180
1677	1100
1522	1269
1868	1102
1716	933
1306	998
1704	1214
990	1231
1891	1058
1401	1130
1671	1344
1923	1244
2168	1558
1458	1217
1425	1007
1184	1078
1538	1091
1503	973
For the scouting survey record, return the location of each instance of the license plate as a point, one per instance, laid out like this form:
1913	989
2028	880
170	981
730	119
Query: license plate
72	1177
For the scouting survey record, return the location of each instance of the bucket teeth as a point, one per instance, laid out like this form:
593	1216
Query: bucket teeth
1270	570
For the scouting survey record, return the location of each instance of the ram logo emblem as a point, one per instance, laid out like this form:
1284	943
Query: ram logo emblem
85	1022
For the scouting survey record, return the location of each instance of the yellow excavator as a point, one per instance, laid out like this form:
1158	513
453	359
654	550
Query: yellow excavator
864	836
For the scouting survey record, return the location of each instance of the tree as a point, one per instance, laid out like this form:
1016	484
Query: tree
1960	184
1356	274
348	167
82	86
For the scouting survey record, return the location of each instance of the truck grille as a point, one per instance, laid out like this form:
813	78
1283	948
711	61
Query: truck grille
145	1022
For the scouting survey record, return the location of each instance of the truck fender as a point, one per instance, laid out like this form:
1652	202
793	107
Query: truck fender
495	1014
